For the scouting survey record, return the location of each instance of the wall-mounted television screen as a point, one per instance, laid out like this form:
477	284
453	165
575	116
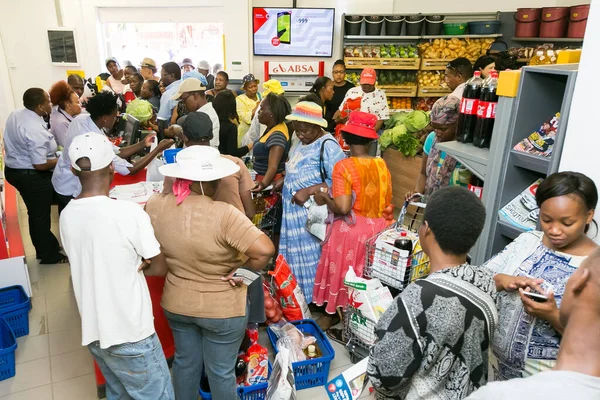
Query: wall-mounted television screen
301	32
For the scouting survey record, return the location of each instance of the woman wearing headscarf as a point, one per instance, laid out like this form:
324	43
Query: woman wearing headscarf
206	308
361	190
439	170
247	104
309	170
65	107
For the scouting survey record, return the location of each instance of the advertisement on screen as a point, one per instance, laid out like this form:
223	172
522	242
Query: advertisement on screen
305	32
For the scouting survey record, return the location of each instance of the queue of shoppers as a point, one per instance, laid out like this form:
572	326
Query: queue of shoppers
443	337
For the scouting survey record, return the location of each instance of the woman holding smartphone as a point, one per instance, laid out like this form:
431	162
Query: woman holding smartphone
528	334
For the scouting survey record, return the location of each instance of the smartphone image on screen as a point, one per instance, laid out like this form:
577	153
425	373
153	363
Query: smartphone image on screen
284	27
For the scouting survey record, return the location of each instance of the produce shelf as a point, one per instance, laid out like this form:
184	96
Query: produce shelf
432	91
531	162
473	158
382	63
509	230
437	64
546	40
399	91
379	38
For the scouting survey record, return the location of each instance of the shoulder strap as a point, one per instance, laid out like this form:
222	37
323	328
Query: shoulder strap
321	166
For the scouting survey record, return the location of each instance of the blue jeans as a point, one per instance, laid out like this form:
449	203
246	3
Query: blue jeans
134	370
211	342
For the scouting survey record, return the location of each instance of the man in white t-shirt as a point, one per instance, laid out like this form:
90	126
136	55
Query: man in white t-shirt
576	375
111	246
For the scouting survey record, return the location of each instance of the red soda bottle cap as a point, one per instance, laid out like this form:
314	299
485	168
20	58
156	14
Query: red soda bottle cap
477	73
403	234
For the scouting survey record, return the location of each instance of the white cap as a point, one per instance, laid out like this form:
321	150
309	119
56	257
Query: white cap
199	164
189	85
93	146
204	65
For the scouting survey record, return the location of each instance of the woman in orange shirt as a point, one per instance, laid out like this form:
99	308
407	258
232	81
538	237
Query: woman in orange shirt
361	190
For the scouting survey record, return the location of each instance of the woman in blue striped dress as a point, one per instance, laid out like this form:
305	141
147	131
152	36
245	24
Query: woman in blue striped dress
307	170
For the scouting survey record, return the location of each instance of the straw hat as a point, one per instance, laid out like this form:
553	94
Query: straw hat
199	164
309	112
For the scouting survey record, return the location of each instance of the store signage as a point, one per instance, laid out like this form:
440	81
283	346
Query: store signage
294	68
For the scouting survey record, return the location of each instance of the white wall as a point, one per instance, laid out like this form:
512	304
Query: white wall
582	142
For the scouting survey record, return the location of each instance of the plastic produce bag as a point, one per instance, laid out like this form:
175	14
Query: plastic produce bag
293	339
288	292
281	384
152	174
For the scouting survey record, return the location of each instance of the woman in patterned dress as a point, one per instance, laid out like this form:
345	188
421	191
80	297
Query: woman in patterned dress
362	189
528	335
308	170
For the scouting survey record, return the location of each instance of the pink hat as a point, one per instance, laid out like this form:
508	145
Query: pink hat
361	124
368	76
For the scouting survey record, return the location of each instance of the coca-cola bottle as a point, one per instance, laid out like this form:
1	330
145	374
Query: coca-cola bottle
468	109
486	111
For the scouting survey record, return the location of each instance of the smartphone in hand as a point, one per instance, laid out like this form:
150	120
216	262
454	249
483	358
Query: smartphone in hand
540	298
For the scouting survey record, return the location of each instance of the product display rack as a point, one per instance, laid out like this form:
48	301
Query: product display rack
543	91
547	40
411	64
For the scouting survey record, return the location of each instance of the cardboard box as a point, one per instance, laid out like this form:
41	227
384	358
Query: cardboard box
349	384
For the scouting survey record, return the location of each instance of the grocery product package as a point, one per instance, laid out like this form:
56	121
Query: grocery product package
389	263
288	292
350	384
522	211
541	142
281	383
292	338
370	298
257	361
273	310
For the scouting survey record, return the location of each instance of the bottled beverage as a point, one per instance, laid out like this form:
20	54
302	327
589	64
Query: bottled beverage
486	111
405	245
468	109
312	351
476	186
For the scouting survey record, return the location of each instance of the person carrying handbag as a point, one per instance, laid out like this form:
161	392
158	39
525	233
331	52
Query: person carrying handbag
307	171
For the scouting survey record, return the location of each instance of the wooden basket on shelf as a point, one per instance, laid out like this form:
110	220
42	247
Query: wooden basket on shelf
432	91
382	63
399	91
437	64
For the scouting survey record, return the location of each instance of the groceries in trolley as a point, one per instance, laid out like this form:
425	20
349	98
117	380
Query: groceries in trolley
369	299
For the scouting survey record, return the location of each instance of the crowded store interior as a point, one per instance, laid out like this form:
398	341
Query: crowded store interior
301	200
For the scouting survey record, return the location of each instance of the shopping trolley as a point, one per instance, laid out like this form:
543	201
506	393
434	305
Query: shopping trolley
267	206
384	263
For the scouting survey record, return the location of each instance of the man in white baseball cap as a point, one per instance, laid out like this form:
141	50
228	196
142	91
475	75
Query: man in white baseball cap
109	243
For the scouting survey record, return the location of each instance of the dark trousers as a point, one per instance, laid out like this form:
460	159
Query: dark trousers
38	194
62	201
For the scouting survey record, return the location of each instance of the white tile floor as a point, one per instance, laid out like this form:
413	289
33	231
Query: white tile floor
52	364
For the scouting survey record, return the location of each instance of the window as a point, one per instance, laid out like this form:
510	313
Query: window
62	46
164	42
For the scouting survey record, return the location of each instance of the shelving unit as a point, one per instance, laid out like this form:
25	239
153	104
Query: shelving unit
473	158
546	40
366	38
543	91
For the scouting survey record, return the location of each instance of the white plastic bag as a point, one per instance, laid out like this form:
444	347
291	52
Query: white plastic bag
152	174
281	382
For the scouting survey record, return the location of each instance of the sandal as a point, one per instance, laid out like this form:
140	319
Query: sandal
62	259
325	322
337	335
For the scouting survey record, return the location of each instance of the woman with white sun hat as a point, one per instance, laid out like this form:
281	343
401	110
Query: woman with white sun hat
204	242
